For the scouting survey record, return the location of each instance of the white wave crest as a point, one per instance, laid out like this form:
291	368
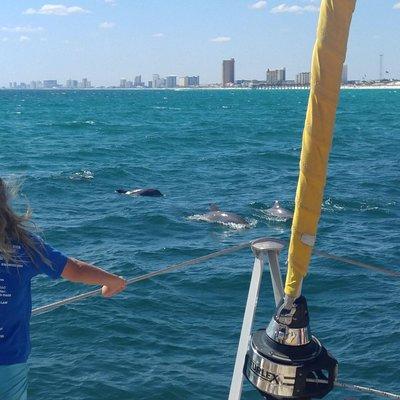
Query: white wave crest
232	225
83	174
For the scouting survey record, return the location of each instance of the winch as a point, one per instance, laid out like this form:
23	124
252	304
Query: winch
284	361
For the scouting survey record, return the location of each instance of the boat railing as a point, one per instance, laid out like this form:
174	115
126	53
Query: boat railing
264	248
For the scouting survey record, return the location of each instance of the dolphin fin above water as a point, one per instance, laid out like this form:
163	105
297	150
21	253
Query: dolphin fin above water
277	211
214	207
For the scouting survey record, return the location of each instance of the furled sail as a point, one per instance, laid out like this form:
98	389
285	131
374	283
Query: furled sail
326	71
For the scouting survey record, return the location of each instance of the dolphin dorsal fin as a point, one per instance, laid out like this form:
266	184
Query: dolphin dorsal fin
214	207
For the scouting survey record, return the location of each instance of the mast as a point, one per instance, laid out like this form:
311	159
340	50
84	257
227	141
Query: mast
326	69
284	361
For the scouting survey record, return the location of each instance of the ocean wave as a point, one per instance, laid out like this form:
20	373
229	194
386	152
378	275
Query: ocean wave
268	217
338	205
81	175
200	217
244	160
67	124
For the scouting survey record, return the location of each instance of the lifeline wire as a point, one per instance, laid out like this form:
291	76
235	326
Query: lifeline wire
368	390
173	267
357	388
347	260
194	261
229	250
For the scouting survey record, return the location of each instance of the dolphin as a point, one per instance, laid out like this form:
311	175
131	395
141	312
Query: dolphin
277	211
141	192
223	217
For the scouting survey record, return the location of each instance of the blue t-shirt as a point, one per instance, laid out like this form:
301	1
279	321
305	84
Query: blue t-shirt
15	298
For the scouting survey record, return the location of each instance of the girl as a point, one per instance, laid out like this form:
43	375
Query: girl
23	256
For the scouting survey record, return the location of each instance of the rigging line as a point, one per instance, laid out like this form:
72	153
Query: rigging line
347	260
368	390
357	388
194	261
173	267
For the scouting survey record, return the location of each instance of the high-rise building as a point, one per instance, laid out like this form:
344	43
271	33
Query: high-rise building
275	76
344	74
228	72
122	83
72	84
303	78
50	84
193	80
184	81
129	84
85	84
189	81
150	84
157	82
138	81
170	81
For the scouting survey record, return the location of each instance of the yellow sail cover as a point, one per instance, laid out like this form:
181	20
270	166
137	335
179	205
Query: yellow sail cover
326	71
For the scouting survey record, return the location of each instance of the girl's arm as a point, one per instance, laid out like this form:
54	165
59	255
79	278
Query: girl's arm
79	271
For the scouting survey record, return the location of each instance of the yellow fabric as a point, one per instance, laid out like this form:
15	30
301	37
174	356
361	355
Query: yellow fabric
326	72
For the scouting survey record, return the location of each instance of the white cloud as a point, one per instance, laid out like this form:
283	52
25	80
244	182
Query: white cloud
221	39
21	29
111	2
284	8
4	39
56	9
106	25
397	6
259	5
158	34
311	8
24	38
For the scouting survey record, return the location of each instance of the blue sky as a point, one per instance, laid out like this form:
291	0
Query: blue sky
106	40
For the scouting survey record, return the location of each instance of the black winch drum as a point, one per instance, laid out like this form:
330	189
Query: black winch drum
286	372
285	361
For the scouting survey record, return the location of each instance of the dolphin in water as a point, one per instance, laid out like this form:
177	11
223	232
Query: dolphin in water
223	217
277	211
141	192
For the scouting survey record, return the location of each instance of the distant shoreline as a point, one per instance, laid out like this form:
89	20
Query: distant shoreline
283	88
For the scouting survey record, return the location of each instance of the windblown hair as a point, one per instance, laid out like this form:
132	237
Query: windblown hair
14	228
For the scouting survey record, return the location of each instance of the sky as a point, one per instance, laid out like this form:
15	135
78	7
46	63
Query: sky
106	40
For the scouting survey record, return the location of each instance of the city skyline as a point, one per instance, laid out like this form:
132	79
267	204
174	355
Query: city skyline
273	78
96	38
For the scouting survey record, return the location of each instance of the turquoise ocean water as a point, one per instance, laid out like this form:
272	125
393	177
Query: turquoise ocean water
175	337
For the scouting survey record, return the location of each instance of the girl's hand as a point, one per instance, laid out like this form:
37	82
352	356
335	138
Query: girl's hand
114	285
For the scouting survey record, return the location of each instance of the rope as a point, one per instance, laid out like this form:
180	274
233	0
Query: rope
347	260
131	281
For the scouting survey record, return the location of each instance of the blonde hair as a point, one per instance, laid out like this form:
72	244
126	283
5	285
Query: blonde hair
14	228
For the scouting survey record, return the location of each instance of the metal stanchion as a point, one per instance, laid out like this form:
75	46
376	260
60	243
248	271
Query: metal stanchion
261	248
